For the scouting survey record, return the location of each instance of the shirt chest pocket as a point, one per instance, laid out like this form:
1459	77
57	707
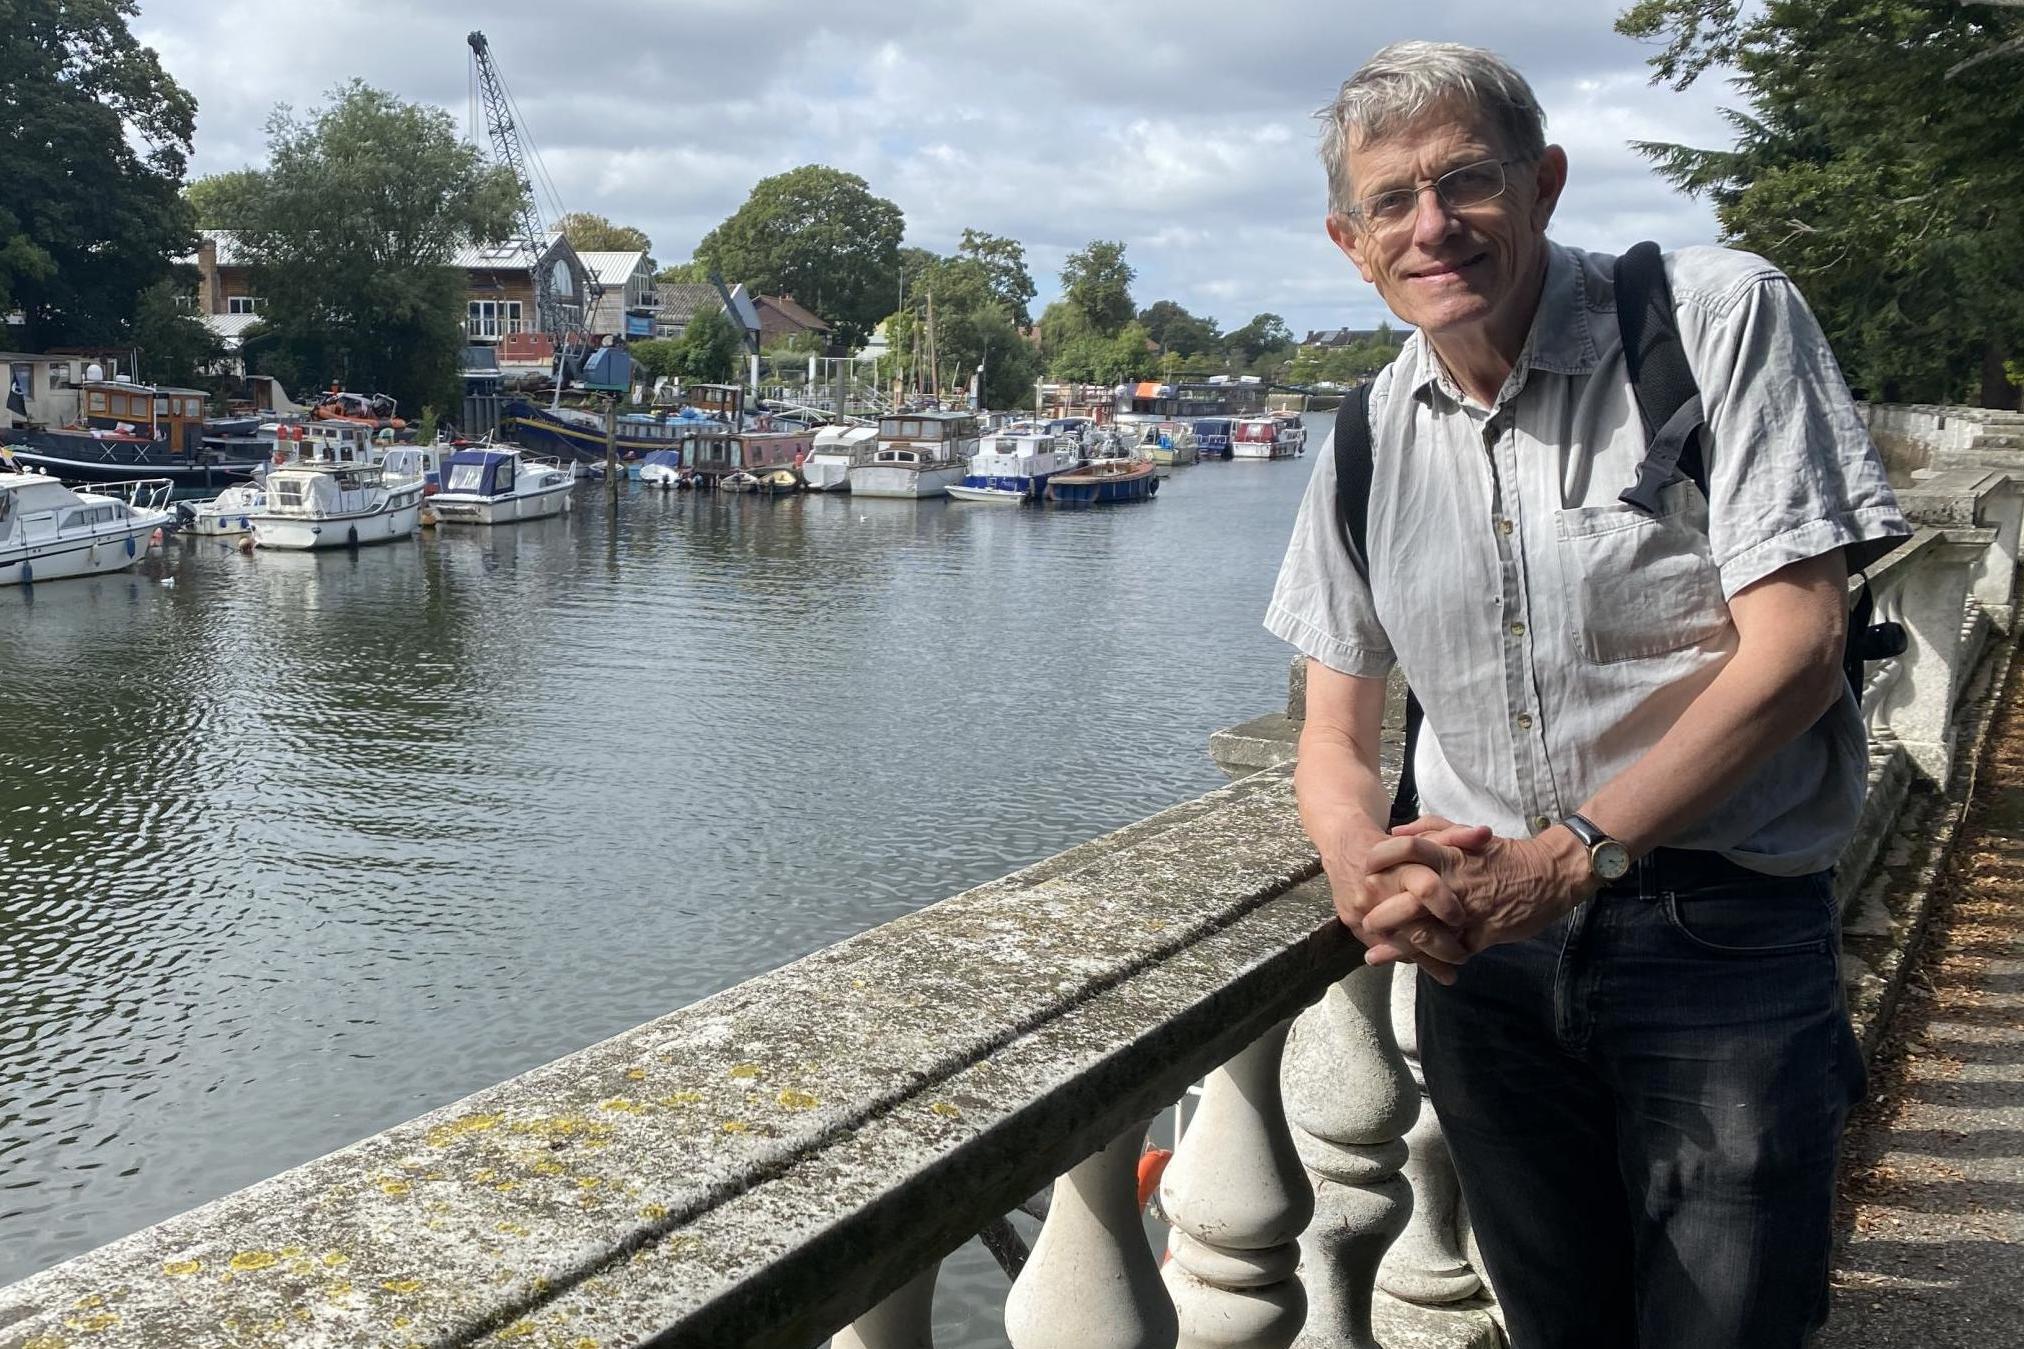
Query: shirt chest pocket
1640	585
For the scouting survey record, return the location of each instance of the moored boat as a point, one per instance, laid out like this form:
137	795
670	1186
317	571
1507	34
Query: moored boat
919	454
228	513
1265	438
663	469
1212	437
130	431
1013	467
334	494
499	485
1104	481
49	531
1171	443
835	451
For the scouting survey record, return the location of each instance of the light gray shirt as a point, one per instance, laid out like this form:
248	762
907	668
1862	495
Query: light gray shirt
1554	634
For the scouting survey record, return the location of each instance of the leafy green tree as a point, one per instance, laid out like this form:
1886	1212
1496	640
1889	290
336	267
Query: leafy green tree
1265	334
660	357
1877	163
93	141
175	345
683	273
1096	283
975	326
818	234
711	348
1004	264
1092	358
358	283
592	233
1177	331
224	201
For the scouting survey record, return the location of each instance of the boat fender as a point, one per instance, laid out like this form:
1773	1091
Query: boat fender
351	537
27	573
1152	1164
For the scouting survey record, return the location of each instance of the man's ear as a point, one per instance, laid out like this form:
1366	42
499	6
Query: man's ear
1344	237
1549	178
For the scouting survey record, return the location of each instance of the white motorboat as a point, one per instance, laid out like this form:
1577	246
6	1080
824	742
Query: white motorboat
663	469
919	454
1266	438
1015	466
228	513
837	450
333	493
498	485
49	531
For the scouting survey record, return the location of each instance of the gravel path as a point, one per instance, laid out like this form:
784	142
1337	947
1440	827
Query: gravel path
1934	1183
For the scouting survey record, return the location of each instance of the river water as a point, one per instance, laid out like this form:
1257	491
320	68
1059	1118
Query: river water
295	847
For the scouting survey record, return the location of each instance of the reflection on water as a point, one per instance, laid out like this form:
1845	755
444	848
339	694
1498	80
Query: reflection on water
293	846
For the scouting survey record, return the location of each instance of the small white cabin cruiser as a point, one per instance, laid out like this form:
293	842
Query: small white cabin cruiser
837	450
49	531
919	454
1015	466
500	484
332	494
230	512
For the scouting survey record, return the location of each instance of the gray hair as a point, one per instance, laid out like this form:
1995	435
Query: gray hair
1406	81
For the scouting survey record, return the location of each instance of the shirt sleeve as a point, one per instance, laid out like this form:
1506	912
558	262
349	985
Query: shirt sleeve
1320	604
1792	472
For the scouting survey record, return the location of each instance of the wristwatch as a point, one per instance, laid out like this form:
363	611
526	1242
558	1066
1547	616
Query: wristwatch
1609	859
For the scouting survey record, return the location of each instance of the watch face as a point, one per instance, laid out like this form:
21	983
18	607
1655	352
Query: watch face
1611	859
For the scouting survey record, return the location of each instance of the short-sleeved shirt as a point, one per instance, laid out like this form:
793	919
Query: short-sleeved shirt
1554	634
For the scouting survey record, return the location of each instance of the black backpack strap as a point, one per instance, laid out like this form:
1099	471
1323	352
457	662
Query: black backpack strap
1668	400
1353	468
1352	477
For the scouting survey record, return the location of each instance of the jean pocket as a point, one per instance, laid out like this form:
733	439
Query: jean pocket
1773	918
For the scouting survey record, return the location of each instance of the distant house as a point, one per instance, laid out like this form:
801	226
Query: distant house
1329	339
683	301
782	319
627	297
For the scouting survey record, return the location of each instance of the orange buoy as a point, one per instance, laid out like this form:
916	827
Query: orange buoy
1152	1164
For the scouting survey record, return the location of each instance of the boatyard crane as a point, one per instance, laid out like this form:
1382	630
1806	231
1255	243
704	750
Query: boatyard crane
516	158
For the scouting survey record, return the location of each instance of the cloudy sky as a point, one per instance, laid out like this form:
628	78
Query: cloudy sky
1183	128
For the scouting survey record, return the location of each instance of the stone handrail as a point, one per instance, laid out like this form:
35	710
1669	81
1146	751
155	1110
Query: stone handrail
792	1158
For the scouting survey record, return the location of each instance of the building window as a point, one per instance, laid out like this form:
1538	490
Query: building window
493	318
243	304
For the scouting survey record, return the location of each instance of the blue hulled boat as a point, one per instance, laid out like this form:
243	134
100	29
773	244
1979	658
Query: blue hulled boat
1015	467
573	433
1104	481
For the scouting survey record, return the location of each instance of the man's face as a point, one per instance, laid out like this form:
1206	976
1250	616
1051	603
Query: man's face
1448	270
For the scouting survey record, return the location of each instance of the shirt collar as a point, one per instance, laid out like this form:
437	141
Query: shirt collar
1560	342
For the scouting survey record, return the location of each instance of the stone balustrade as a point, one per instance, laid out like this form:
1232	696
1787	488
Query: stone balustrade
791	1159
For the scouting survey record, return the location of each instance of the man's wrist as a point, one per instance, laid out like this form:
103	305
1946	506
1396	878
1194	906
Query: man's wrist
1573	865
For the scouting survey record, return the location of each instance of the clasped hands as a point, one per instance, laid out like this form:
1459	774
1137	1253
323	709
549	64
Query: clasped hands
1435	893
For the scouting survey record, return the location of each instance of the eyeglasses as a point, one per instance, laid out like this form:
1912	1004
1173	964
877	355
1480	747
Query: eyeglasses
1458	189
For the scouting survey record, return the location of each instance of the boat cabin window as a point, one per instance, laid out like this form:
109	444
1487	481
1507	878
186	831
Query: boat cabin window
465	478
6	508
87	516
287	492
95	401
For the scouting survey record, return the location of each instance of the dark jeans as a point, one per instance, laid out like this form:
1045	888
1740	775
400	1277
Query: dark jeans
1645	1103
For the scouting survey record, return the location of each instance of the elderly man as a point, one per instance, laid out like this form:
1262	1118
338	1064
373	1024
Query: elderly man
1640	756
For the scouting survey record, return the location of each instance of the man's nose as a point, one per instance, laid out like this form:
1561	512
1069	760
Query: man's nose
1432	220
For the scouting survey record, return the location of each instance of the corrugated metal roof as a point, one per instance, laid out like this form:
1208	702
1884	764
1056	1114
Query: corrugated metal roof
612	270
229	327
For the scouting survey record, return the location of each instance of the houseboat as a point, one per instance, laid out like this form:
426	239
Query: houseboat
134	430
1188	397
1265	438
578	433
49	531
333	493
1015	467
499	485
919	454
1114	478
836	450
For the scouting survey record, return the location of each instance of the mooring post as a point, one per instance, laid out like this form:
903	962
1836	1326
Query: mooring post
611	448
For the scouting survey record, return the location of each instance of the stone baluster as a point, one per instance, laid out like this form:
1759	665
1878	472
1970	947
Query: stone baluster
904	1320
1995	580
1350	1101
1092	1281
1426	1264
1918	706
1238	1201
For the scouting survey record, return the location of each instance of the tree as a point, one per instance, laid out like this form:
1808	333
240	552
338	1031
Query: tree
175	345
92	148
1876	164
1004	264
710	348
224	201
1096	282
683	273
1177	331
818	234
358	283
1265	334
1091	358
590	233
974	327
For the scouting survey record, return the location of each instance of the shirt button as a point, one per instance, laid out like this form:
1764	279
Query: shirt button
1505	526
1540	824
1524	721
1517	629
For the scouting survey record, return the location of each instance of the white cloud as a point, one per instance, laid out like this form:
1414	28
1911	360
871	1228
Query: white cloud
1187	135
